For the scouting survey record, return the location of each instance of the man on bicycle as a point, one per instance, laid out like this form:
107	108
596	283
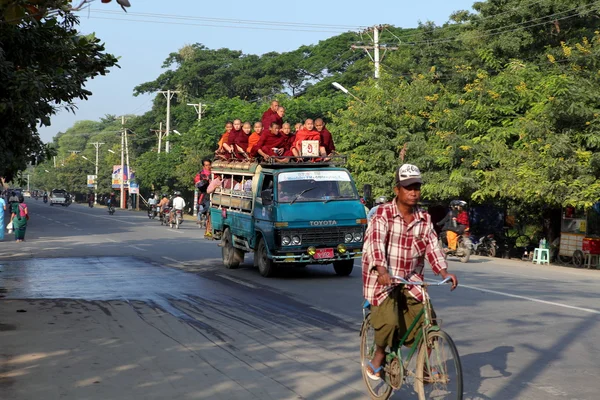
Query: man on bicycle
398	239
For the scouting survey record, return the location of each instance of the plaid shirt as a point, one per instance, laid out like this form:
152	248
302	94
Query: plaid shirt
401	248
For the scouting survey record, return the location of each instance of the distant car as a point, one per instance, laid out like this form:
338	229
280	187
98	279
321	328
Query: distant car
58	196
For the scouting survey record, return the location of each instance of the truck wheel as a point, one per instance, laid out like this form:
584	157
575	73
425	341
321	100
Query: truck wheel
343	267
232	257
266	266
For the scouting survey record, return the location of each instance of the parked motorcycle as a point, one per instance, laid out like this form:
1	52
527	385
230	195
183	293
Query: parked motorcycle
463	248
486	246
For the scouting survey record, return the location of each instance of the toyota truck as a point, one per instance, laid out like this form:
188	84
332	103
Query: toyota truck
292	214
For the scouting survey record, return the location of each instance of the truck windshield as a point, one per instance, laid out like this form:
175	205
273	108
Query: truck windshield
325	186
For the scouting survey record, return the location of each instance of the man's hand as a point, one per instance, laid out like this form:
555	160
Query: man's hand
453	277
384	277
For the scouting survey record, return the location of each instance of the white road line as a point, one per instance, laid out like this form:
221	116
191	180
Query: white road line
229	278
136	247
515	296
171	259
111	240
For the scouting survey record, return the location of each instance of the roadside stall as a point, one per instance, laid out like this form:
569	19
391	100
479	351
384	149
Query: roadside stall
580	236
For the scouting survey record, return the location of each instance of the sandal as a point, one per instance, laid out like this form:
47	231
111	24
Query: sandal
371	371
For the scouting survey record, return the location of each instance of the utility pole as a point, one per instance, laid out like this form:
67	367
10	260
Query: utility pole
159	133
376	58
27	182
97	146
127	163
123	133
198	108
168	95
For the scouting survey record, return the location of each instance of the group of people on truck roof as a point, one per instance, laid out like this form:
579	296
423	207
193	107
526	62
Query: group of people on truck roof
271	138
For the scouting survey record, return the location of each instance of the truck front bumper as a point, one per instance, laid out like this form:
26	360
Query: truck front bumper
307	259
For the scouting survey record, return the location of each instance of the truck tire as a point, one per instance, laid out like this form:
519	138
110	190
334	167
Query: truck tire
232	257
343	267
266	266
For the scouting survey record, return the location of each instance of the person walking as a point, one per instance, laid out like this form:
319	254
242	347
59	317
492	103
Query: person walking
2	212
19	218
399	238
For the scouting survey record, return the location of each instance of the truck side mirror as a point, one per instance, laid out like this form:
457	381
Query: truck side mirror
267	197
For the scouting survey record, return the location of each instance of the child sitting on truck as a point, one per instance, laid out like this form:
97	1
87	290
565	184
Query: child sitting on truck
307	133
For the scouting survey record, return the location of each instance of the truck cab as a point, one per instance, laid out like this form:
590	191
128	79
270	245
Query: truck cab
288	215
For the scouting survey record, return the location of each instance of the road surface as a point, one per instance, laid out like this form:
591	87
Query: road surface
95	306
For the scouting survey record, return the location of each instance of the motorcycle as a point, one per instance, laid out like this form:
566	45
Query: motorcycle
486	246
91	203
111	209
164	216
176	218
463	248
152	212
45	199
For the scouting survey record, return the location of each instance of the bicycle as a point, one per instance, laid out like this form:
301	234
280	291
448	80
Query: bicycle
437	373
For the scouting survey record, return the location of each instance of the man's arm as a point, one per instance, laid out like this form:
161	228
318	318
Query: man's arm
435	256
374	248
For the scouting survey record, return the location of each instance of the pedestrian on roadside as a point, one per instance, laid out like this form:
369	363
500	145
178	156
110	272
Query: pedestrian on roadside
19	218
2	211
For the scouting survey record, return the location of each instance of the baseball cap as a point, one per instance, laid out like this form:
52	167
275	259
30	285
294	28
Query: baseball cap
407	175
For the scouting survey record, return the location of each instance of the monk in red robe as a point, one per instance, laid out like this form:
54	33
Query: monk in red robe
271	115
307	133
224	138
255	136
272	143
241	141
326	138
286	131
237	130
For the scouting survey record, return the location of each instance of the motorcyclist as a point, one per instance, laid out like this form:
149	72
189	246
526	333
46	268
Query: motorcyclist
163	206
112	200
90	199
379	201
45	197
455	223
178	204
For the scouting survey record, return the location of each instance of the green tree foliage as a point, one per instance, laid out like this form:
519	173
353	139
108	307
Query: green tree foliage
44	65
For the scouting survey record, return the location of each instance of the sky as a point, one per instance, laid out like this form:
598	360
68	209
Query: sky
143	41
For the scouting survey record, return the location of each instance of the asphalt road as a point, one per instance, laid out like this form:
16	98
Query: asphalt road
117	307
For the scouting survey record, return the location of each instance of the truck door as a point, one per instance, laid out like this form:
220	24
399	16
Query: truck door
263	207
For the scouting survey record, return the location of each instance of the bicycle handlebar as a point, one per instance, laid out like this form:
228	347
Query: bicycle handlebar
404	281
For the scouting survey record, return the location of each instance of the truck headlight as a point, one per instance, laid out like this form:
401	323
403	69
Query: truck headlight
348	237
357	236
296	240
285	241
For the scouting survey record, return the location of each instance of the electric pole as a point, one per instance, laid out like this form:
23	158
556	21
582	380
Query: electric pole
97	146
159	132
376	58
198	108
123	133
168	95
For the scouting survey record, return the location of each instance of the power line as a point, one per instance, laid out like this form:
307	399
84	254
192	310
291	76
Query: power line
233	20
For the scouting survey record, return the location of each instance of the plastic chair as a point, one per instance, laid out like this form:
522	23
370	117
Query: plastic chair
541	256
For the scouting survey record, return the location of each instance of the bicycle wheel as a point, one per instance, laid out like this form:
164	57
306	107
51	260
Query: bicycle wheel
378	389
439	373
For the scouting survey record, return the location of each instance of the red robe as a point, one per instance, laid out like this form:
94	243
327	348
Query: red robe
304	134
268	141
327	141
242	140
268	117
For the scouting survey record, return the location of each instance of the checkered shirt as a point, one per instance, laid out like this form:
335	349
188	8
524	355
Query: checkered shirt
399	247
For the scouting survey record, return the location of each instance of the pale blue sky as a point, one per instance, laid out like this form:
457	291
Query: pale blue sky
143	46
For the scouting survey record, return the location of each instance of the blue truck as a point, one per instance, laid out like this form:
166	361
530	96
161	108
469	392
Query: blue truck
292	214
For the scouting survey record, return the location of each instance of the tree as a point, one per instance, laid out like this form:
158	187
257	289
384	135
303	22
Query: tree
44	65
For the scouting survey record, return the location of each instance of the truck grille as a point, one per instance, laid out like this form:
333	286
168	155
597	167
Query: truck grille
319	236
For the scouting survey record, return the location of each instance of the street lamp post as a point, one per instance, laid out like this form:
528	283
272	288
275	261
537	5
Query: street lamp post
343	89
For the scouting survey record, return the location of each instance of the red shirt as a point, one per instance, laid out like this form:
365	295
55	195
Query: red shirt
463	218
401	248
242	140
268	141
327	141
268	117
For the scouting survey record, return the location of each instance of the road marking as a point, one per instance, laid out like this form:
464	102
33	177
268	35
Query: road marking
111	240
229	278
136	247
515	296
172	260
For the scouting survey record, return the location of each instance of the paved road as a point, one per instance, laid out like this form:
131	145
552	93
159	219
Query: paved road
117	307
